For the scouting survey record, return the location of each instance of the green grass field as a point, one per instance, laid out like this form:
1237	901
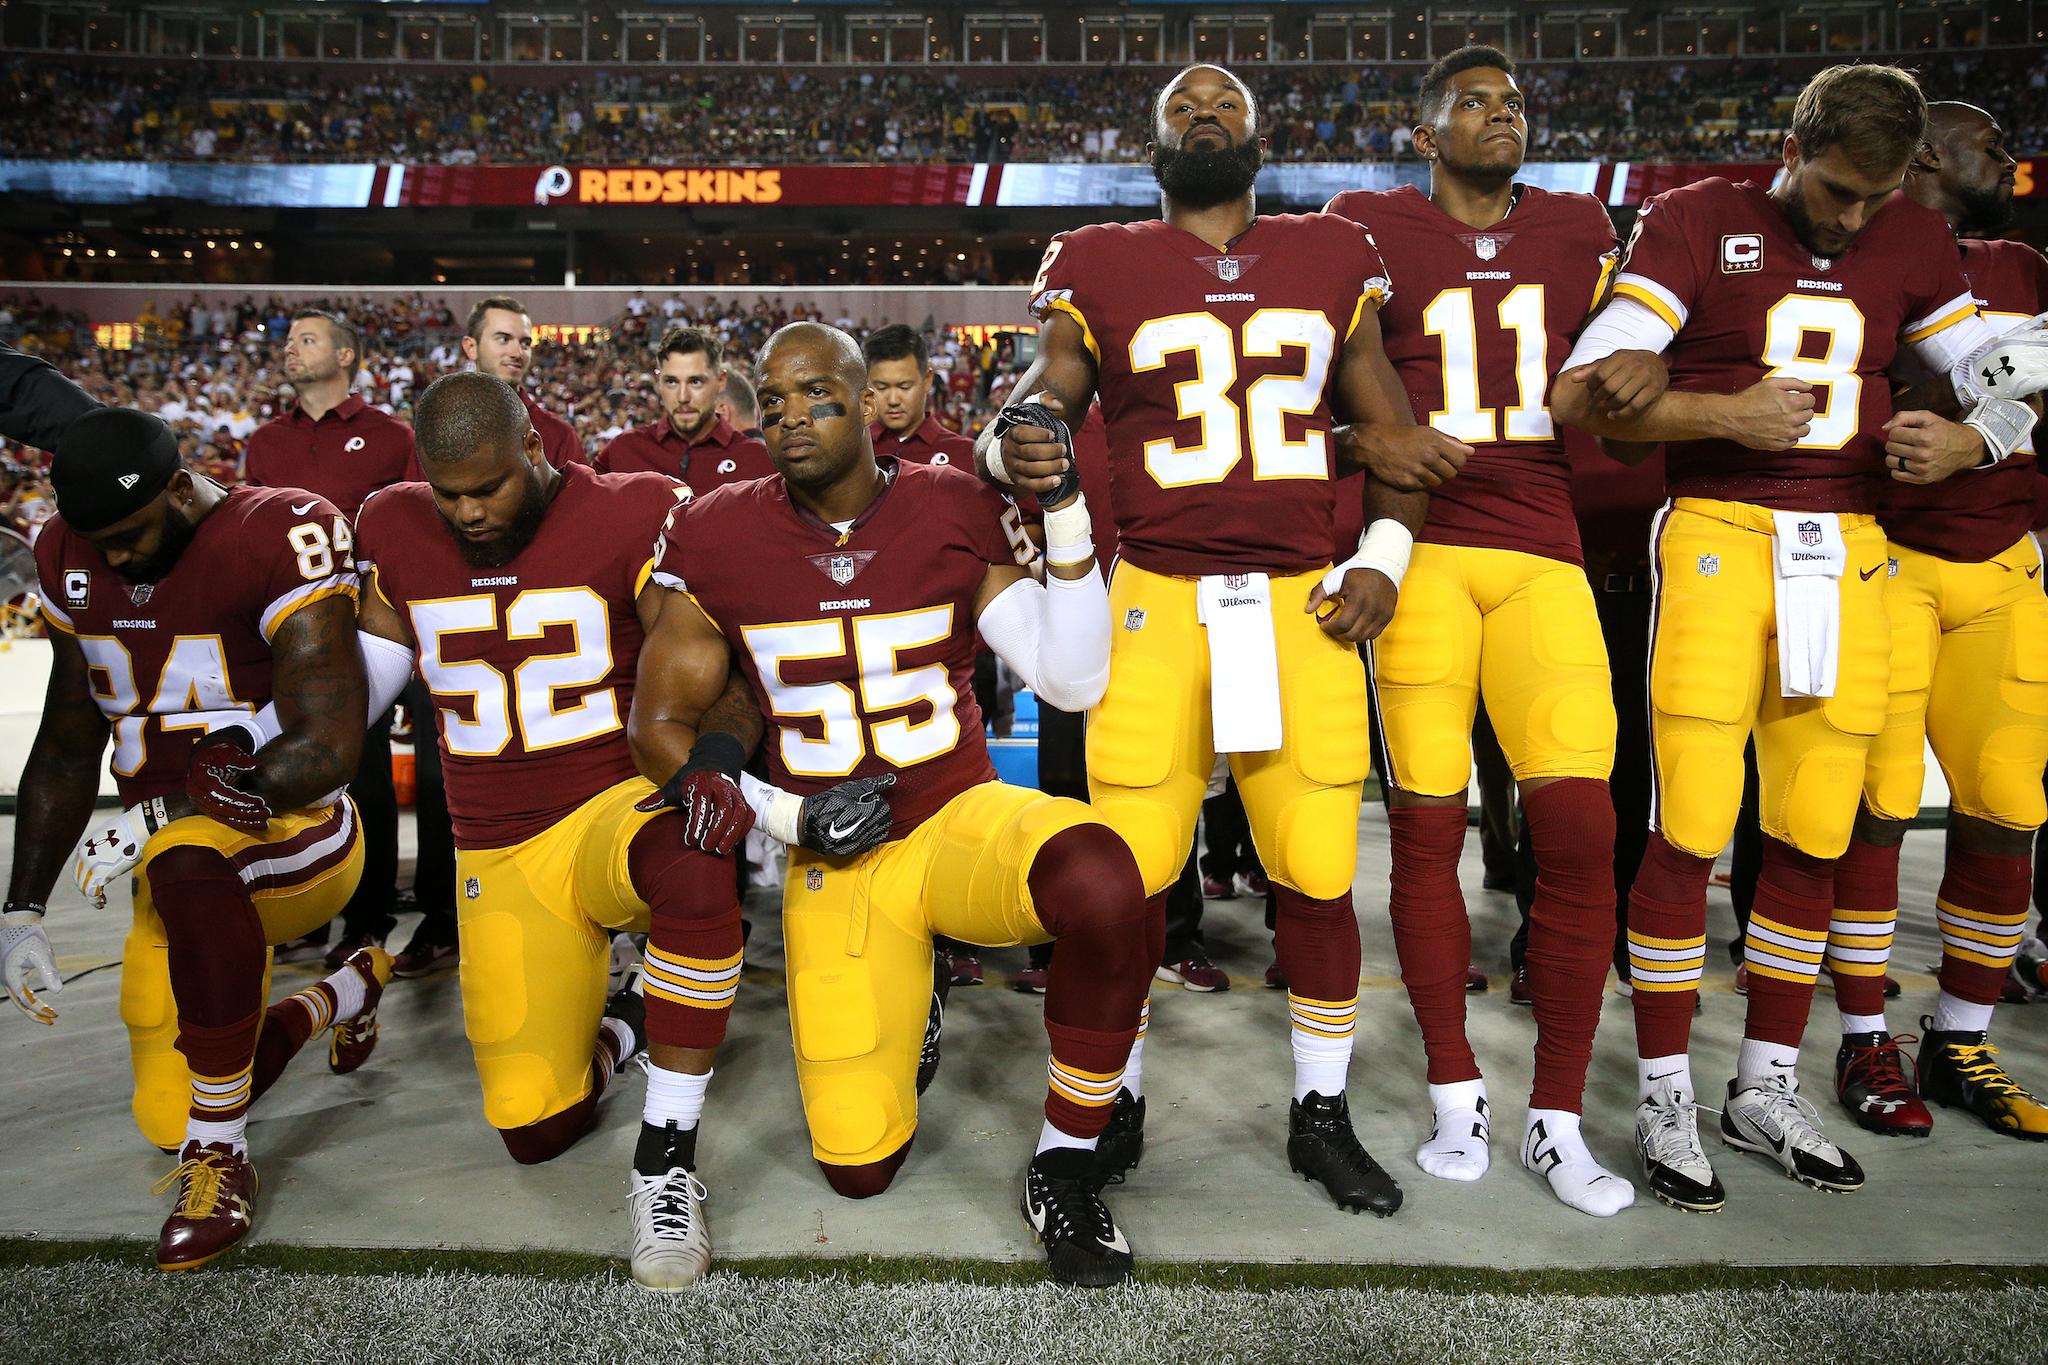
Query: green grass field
103	1301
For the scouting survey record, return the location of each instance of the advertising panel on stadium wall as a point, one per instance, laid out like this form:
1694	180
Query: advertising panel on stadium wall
977	185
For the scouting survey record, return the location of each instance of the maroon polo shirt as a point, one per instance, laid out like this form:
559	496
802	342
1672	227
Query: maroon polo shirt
927	443
557	437
349	453
721	456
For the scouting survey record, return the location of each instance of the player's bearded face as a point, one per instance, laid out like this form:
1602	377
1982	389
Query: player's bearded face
1211	171
491	521
1983	190
174	533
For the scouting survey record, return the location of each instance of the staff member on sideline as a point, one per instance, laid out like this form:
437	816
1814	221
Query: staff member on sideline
332	443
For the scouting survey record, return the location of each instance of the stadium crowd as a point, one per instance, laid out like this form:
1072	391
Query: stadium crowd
208	111
211	368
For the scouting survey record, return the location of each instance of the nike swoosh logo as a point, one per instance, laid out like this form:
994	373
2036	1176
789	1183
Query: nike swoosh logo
2034	572
1117	1243
839	832
1662	1075
300	511
1866	574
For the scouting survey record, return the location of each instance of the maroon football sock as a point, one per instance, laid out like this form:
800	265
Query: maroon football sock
693	936
1087	892
1432	934
1788	932
1571	931
1667	939
216	965
1982	906
1866	911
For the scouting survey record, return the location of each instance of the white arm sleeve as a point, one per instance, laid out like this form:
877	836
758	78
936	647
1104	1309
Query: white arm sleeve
386	663
1055	636
1939	353
1625	324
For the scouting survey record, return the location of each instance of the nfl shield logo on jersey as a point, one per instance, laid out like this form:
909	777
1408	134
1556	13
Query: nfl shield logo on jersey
1236	581
814	879
1228	269
140	593
1134	619
1709	565
842	569
1809	533
1487	248
473	888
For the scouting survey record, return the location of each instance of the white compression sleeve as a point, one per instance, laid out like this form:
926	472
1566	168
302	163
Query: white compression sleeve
1625	324
1055	636
386	663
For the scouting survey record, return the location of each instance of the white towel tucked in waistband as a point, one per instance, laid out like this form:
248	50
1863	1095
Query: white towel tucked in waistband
1808	556
1244	665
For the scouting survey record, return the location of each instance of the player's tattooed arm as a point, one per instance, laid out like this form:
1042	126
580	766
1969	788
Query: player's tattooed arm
1381	435
61	779
321	695
1063	378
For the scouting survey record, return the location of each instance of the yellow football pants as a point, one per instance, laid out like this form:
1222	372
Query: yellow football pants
536	921
857	934
1969	675
300	872
1714	679
1517	629
1151	739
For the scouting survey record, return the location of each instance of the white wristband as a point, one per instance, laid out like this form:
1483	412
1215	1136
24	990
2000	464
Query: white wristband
992	461
2003	423
776	811
1385	547
1069	535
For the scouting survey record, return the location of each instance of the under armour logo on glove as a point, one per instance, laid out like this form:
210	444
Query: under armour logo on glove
110	851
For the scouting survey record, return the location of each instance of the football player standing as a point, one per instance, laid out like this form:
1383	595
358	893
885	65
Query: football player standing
1496	278
1779	310
1226	346
1970	676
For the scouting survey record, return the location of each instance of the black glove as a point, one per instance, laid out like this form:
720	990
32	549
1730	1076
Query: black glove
221	762
1038	415
706	789
849	818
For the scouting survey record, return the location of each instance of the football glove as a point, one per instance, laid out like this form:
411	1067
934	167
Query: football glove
221	761
2012	366
111	849
1038	415
706	790
26	963
846	819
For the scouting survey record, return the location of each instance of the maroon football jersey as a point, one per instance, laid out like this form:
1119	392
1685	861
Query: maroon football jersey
531	662
722	455
350	453
1720	263
1483	322
173	659
860	644
1978	514
1214	370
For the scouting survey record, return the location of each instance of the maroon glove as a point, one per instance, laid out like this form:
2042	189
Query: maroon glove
706	790
220	764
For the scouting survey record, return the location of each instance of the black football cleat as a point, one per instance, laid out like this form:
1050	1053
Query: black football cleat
1673	1162
1322	1146
1122	1144
1063	1204
934	1024
1959	1070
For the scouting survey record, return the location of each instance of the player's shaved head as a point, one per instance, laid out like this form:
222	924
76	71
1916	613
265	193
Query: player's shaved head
1962	169
811	378
835	347
1203	73
483	459
467	414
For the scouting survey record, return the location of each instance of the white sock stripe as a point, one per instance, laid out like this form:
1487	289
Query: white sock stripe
1759	932
689	995
1663	974
1873	956
690	976
1681	955
1856	927
1997	932
1806	971
655	957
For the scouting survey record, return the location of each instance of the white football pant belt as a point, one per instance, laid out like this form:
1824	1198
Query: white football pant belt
1244	662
